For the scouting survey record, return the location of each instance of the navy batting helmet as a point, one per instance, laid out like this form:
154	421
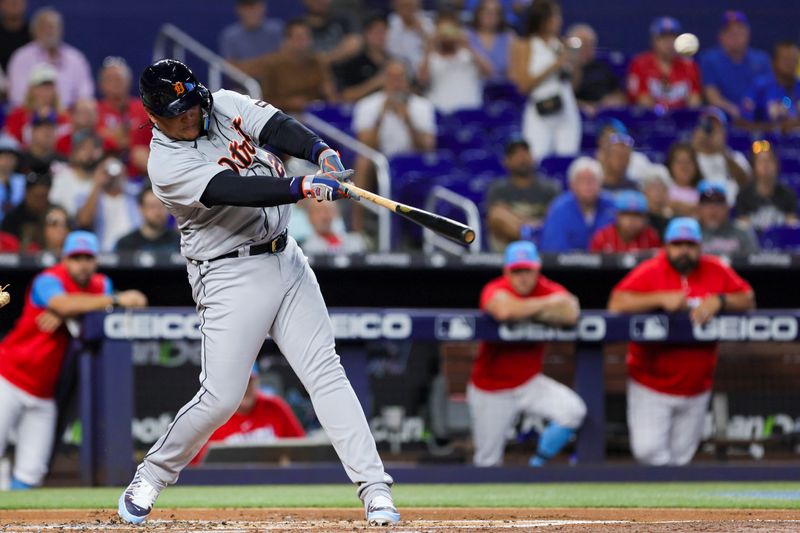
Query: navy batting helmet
169	88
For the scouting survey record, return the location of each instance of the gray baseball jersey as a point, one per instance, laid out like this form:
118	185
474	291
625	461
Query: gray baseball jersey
181	170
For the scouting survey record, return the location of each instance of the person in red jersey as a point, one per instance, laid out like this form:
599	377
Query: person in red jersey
630	231
670	384
507	378
32	353
260	418
660	78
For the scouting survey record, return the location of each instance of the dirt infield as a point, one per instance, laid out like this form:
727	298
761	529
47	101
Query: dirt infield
414	519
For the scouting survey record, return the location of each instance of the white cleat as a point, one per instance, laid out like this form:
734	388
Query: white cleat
382	512
136	503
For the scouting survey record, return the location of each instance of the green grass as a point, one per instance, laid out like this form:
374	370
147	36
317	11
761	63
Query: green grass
772	495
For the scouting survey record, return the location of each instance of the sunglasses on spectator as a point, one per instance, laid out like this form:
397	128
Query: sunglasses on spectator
761	147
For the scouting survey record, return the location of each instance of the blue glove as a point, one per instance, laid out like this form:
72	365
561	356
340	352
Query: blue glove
329	186
329	161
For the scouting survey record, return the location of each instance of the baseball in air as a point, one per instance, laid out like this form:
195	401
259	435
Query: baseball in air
687	44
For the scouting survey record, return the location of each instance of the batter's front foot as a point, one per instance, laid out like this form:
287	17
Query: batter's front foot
382	512
136	503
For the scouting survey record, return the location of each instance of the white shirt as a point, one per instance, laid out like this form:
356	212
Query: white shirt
714	168
407	44
455	82
117	220
68	188
393	135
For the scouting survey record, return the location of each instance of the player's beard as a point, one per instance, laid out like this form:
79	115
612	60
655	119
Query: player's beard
683	264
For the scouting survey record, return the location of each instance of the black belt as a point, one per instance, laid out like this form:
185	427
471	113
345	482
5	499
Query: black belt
276	245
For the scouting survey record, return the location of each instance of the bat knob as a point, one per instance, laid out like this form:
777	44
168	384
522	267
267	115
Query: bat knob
468	236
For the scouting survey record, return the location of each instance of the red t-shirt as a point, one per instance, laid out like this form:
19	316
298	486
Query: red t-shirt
678	369
18	124
505	365
30	358
671	90
270	419
133	118
607	240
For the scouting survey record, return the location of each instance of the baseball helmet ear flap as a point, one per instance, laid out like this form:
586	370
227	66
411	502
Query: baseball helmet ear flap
169	88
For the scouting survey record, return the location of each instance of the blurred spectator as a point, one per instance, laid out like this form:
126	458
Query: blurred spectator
630	232
452	70
639	164
512	11
154	233
660	78
615	157
392	121
766	202
12	183
260	419
41	151
41	96
73	182
335	36
325	239
655	187
773	98
9	244
517	206
74	79
14	30
669	384
721	236
56	228
83	118
296	75
110	207
253	35
409	31
26	221
31	355
730	68
716	161
596	86
490	37
685	174
542	69
123	120
507	378
575	215
363	74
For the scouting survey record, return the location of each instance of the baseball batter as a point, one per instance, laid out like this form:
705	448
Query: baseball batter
507	380
670	384
231	200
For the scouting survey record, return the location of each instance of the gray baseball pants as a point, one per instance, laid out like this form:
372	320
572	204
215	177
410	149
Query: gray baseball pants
239	300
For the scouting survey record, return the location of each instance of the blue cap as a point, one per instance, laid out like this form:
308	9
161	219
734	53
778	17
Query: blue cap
614	123
630	202
731	17
621	138
665	25
81	242
715	112
711	191
522	254
683	229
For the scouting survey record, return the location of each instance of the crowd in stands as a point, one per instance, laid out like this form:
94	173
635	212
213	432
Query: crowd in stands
556	139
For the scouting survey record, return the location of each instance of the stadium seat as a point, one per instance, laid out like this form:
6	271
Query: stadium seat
481	161
339	115
556	167
502	91
785	238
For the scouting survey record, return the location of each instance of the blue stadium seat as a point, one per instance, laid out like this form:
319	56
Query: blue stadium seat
685	119
439	162
481	161
785	238
461	139
502	91
555	167
339	115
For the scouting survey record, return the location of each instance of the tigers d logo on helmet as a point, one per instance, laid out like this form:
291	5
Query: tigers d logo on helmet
179	88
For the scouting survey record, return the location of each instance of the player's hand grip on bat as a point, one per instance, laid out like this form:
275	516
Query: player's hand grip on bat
329	161
329	186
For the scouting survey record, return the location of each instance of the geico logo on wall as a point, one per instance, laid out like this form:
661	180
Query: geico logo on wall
589	328
748	328
152	326
371	325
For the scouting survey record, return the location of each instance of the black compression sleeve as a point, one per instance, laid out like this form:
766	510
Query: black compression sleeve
229	188
285	134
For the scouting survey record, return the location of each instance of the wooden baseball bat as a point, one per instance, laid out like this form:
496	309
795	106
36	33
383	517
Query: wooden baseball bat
455	231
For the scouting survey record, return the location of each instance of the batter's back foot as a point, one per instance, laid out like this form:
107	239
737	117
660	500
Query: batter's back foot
136	503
